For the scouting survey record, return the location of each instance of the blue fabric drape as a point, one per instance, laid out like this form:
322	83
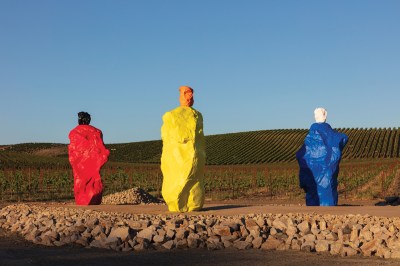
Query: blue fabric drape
319	159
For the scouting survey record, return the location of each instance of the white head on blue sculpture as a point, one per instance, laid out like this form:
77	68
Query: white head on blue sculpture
320	115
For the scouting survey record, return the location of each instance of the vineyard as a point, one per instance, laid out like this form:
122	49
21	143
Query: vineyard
254	147
268	146
243	164
363	180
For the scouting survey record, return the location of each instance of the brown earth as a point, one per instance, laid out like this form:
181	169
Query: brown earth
53	151
14	250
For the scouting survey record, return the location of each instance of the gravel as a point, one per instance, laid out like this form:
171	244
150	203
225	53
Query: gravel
131	196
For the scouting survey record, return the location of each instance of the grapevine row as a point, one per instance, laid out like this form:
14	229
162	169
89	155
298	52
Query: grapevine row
254	147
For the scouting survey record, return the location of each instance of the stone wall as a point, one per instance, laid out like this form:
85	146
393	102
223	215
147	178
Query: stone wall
344	235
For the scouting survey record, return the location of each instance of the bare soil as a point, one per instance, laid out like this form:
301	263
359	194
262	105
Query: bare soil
53	152
257	205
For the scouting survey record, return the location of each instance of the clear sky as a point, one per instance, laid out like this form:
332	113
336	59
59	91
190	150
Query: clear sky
253	65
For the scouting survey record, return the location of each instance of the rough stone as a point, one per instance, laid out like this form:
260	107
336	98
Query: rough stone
121	232
393	243
348	251
183	243
227	244
309	238
229	238
170	233
214	245
146	233
336	248
222	230
242	245
331	236
181	233
304	227
279	224
321	245
97	230
142	246
295	244
354	235
383	252
214	239
82	242
137	224
314	228
271	243
193	241
159	238
257	242
244	231
97	244
308	246
368	247
395	254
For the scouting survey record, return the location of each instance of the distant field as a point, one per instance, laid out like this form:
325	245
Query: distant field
255	147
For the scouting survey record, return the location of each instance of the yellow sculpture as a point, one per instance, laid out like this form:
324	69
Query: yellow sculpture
183	156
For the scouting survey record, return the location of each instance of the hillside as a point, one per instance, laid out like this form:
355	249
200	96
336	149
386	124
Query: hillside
267	146
255	147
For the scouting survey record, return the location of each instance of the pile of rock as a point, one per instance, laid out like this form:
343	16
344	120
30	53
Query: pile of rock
131	196
335	234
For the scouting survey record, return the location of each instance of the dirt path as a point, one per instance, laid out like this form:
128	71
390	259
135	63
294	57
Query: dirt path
394	188
372	187
243	208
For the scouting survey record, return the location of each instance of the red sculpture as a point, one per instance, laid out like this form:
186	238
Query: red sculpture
87	154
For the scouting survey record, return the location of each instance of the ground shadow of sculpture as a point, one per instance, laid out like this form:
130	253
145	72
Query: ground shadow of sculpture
392	201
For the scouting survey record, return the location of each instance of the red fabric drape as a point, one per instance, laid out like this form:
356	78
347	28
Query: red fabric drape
87	154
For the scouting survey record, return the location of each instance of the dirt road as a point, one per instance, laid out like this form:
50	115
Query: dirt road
242	209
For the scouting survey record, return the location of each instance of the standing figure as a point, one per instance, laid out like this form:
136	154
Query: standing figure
87	155
183	155
319	159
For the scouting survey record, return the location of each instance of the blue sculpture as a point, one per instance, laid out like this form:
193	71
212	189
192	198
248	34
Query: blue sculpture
319	159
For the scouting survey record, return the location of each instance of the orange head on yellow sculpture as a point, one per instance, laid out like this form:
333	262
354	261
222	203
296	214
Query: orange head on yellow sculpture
186	96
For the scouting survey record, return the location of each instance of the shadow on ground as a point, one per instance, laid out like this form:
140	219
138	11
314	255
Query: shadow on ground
14	250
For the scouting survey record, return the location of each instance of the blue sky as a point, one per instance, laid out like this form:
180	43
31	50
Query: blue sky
253	65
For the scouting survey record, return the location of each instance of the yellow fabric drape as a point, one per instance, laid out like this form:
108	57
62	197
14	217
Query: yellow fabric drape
183	159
